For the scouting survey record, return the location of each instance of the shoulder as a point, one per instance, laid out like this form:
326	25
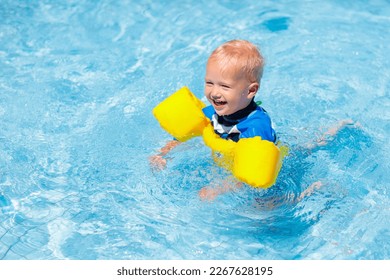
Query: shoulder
258	123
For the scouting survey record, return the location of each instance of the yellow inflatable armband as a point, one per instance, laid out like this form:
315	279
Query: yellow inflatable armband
257	162
181	115
216	143
223	150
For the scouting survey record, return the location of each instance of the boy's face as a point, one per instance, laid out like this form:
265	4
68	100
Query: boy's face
228	92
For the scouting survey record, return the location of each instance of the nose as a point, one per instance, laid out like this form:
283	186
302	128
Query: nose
215	93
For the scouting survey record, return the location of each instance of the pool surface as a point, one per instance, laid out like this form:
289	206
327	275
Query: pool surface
78	81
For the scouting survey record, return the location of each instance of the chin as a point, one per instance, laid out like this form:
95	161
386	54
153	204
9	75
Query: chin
223	113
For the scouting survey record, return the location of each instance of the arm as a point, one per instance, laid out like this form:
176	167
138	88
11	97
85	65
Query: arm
158	161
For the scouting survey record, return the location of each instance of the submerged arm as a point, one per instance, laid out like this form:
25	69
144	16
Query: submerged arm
331	132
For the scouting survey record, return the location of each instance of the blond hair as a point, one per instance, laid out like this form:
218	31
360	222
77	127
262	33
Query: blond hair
241	54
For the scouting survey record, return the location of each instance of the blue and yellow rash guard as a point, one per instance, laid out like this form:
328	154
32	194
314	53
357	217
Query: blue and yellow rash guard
249	122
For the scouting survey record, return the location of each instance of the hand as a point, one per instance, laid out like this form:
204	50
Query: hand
157	162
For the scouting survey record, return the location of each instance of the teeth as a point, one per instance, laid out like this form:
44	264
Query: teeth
219	102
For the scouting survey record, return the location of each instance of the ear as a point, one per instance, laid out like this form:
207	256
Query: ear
252	90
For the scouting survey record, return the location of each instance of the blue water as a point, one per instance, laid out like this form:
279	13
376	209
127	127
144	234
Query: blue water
78	80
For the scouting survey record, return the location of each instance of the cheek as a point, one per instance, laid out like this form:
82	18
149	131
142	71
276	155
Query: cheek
207	89
235	98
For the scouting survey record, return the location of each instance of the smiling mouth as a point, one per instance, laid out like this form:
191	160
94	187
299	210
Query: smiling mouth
219	103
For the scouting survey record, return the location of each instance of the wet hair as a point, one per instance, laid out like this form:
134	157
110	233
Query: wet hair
241	54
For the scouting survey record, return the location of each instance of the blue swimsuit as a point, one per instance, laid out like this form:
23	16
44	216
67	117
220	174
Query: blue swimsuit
246	123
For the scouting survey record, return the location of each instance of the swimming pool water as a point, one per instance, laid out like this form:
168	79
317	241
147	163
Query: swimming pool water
78	80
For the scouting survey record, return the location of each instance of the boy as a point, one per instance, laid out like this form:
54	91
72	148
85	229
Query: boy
233	75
